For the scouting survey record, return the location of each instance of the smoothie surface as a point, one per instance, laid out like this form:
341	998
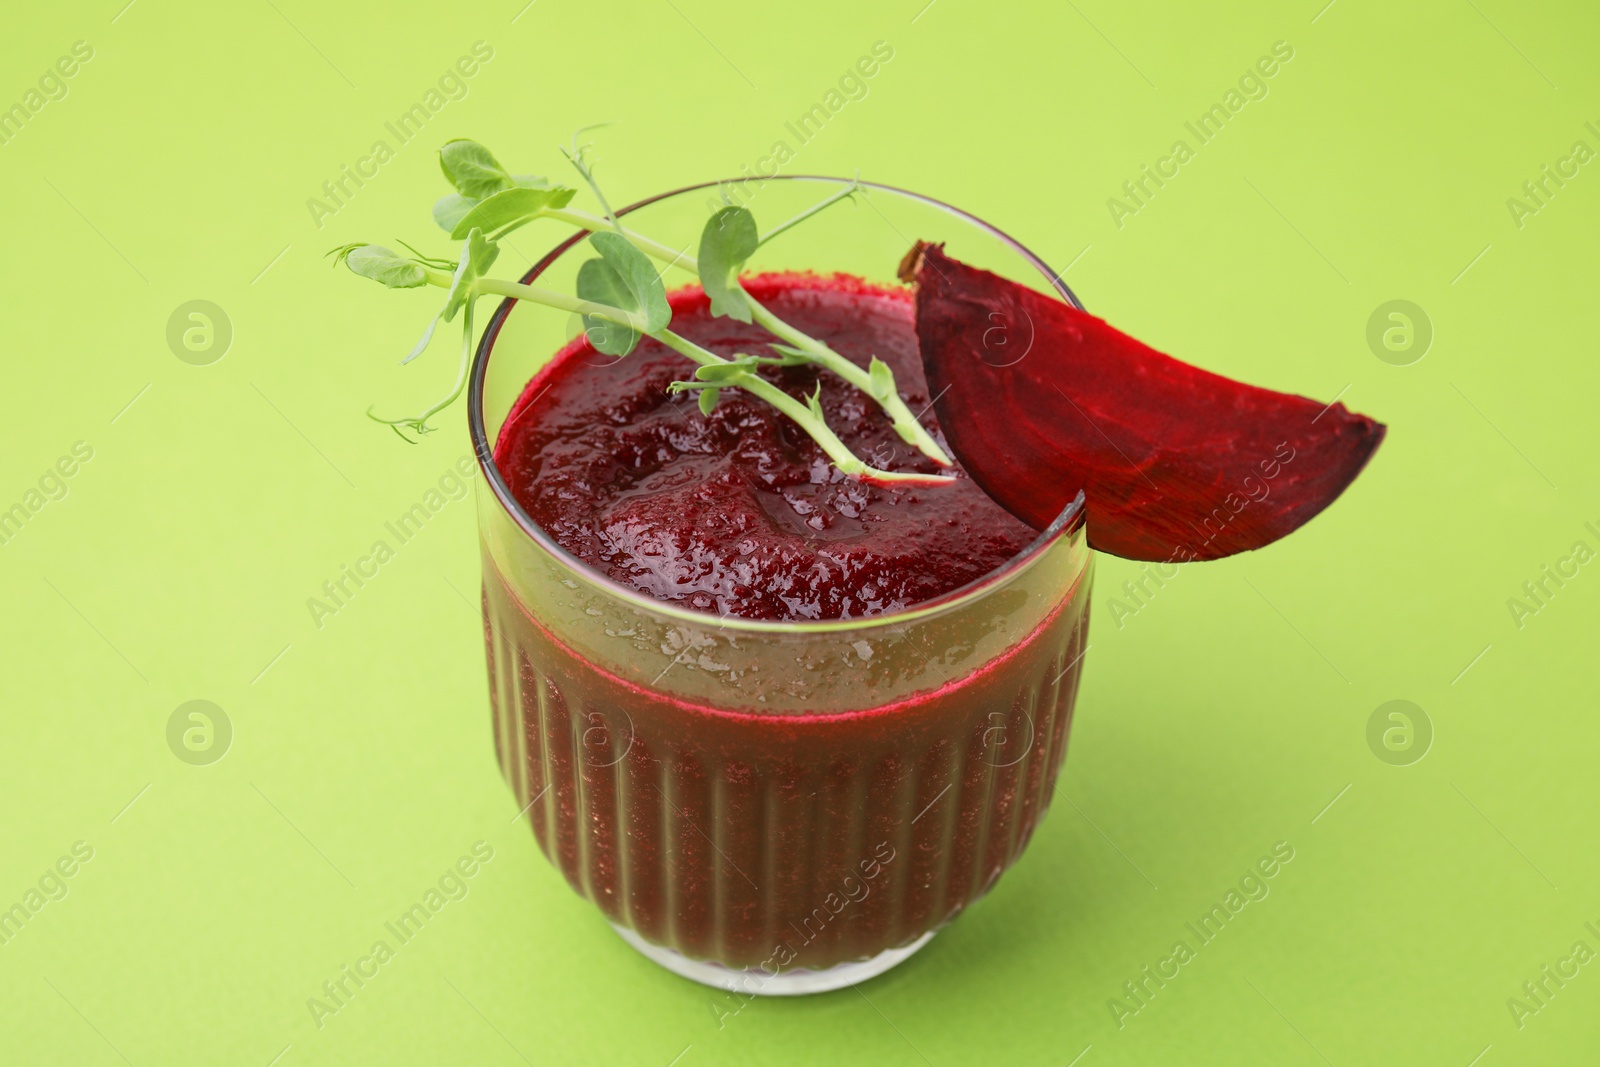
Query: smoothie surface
740	513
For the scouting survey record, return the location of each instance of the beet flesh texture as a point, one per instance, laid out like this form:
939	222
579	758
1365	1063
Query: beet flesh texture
1040	400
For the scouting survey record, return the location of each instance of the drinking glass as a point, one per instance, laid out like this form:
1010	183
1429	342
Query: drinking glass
775	807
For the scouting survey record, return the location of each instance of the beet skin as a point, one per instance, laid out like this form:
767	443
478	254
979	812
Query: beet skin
1040	400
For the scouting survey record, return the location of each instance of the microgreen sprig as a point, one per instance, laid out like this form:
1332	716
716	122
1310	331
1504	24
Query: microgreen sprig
727	242
621	297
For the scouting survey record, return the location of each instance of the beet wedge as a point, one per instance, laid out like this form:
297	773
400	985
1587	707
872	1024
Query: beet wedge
1040	400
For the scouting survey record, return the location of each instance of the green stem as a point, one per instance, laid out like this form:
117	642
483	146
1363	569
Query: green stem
560	301
685	347
905	423
807	418
904	420
585	221
803	416
576	156
843	194
419	422
535	294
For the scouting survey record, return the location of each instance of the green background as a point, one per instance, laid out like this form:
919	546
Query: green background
1222	718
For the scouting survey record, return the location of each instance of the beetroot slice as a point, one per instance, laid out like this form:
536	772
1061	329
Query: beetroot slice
1040	400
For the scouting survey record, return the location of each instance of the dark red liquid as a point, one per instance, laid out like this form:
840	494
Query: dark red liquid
739	513
768	840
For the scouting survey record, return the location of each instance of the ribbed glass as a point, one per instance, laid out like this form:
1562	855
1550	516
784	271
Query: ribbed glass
762	794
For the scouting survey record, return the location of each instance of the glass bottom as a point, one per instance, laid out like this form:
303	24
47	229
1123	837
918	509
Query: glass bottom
756	982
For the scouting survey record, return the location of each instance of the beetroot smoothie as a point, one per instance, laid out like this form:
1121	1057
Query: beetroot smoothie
846	716
737	513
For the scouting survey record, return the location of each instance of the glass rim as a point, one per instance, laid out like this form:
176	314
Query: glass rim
1070	520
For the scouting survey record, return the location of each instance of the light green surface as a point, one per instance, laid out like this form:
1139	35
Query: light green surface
1222	718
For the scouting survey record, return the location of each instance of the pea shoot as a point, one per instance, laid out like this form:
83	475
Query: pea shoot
621	296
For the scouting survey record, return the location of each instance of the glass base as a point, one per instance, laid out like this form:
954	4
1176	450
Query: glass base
755	981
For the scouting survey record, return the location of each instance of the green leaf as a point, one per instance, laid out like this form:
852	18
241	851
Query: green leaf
636	272
510	207
472	169
382	265
421	345
882	379
482	251
599	282
477	175
708	400
477	255
449	210
729	238
814	402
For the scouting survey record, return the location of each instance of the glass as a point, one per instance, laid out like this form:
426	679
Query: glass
773	807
